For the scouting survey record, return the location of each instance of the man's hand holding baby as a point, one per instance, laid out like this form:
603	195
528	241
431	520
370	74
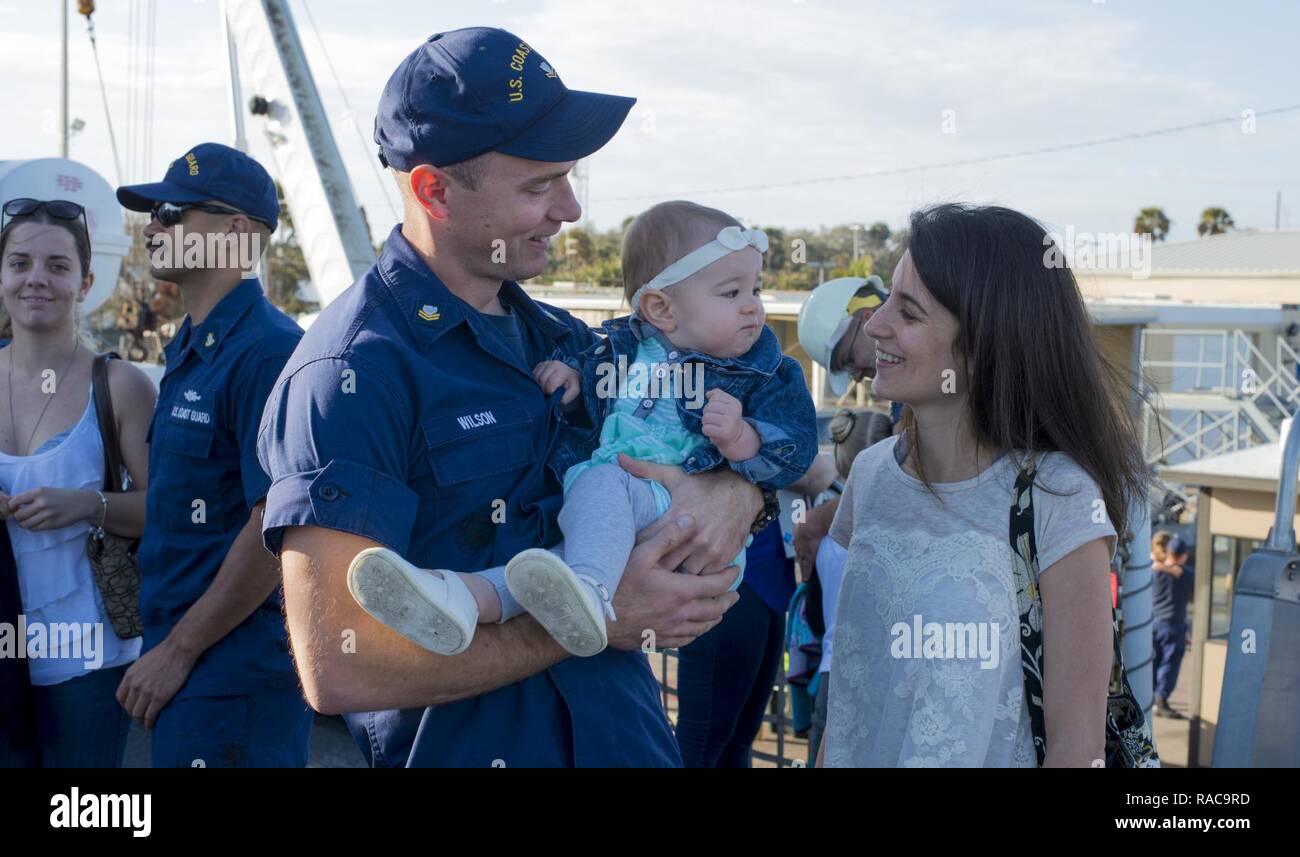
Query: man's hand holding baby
724	424
551	375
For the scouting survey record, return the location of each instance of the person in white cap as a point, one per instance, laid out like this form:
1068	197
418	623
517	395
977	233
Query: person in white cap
830	329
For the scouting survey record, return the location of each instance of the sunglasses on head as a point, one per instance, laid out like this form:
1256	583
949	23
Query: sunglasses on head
59	209
171	213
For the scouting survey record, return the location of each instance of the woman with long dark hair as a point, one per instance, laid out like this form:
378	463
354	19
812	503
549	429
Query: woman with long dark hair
986	338
51	472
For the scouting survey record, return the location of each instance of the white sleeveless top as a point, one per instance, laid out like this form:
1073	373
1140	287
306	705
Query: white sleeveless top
68	633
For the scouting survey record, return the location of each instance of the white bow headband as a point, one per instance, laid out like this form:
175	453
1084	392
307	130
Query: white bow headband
729	240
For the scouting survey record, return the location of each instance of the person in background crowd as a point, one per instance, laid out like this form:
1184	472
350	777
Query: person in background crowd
215	683
51	470
1171	560
851	432
831	329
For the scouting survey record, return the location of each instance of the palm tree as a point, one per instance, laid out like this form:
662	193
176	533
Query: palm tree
1214	221
1152	221
878	235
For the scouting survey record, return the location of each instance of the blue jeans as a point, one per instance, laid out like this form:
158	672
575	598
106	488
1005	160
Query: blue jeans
1169	641
79	723
268	729
724	680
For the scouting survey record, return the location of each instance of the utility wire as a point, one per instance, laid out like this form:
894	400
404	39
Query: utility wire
103	93
894	171
368	156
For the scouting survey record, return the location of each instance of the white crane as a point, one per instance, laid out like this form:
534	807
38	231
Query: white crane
264	52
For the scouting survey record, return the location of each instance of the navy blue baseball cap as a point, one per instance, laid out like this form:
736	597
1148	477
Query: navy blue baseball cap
481	89
210	171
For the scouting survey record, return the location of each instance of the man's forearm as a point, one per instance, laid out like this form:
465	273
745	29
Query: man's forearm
248	575
818	477
349	662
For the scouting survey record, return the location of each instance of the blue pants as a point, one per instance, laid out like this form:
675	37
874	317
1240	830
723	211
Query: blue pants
268	729
818	727
724	680
1169	641
78	724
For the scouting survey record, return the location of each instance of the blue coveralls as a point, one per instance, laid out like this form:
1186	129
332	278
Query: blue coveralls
241	706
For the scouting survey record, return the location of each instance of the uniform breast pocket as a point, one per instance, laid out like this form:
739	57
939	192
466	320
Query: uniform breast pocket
478	443
192	487
189	442
480	460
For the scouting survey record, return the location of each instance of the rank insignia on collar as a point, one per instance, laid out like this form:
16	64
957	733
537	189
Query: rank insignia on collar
430	313
211	340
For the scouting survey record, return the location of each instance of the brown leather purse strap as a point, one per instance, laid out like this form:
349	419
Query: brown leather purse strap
107	423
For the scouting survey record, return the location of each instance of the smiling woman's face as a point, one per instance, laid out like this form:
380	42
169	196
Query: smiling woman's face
914	337
41	281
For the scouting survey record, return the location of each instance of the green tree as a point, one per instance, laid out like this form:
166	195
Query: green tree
886	262
878	235
1152	221
284	267
1214	221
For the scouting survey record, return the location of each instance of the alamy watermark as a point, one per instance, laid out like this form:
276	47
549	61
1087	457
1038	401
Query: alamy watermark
131	811
946	641
624	380
194	250
1099	251
83	641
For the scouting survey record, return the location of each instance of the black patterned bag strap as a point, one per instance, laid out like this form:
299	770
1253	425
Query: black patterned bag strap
1025	566
107	421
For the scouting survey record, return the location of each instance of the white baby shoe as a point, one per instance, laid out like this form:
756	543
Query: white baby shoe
437	613
571	607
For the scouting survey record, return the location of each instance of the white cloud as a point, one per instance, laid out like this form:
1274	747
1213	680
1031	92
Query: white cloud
744	92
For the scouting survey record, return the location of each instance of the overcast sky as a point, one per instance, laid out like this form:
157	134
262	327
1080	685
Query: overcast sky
739	93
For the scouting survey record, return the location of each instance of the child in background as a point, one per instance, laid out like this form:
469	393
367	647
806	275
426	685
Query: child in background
692	378
851	432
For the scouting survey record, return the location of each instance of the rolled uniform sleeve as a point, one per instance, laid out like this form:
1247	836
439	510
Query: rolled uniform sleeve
335	440
249	393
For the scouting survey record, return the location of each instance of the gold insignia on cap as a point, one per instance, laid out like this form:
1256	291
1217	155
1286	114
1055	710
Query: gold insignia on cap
430	313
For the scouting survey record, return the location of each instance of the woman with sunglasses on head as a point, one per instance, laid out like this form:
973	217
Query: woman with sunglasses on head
51	476
986	338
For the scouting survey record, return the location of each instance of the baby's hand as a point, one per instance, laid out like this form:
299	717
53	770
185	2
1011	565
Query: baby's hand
723	424
551	375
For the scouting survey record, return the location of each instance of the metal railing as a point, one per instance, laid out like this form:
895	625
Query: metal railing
1238	395
774	714
1241	370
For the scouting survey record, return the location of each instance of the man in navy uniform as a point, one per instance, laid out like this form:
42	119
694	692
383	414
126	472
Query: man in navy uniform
367	441
215	681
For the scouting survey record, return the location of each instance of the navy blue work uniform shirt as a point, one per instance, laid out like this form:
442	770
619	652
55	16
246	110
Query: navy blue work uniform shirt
204	479
407	417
